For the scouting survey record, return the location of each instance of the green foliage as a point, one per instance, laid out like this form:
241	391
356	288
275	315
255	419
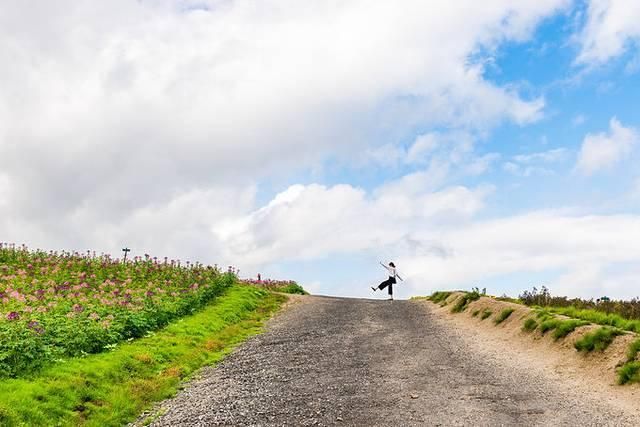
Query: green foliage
293	288
284	286
565	327
485	313
549	324
529	325
599	317
597	340
112	388
464	300
624	315
504	314
632	352
439	296
475	313
629	373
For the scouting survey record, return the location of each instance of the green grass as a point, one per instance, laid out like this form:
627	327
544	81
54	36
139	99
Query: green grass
292	288
486	313
464	300
475	313
548	325
529	325
565	327
504	315
112	388
439	296
629	373
598	317
634	348
597	340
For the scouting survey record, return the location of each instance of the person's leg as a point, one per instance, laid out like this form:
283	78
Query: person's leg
391	290
384	284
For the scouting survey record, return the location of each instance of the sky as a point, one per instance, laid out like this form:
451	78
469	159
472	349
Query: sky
491	144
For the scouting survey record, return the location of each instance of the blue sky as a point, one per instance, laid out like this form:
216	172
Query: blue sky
487	144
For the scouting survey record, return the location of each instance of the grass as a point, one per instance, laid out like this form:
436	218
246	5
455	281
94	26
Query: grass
475	313
629	373
565	327
598	317
504	315
547	325
634	348
486	313
464	300
112	388
439	296
597	340
529	325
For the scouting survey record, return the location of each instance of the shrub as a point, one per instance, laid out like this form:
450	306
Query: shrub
475	313
486	313
464	300
504	314
439	296
530	325
634	348
629	373
597	340
549	324
565	327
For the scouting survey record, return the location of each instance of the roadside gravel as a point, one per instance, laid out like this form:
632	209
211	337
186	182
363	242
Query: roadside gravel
332	361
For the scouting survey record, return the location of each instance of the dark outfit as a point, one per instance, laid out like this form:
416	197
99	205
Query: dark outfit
389	282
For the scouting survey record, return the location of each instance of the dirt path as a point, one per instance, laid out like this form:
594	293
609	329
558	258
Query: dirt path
332	361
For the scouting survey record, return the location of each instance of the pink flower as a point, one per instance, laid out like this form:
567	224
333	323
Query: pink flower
13	316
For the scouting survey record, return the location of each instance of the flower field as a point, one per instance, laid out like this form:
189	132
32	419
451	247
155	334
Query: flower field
55	305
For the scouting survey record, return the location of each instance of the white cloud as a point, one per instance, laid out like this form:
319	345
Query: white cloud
529	243
603	151
549	156
612	25
535	163
306	222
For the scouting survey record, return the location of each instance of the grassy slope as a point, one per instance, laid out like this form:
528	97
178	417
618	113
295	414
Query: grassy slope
113	388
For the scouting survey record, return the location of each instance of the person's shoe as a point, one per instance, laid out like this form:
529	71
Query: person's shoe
374	289
390	298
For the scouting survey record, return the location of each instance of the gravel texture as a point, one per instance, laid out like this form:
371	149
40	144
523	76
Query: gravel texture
332	361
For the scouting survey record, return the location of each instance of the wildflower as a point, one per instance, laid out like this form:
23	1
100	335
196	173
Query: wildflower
77	308
13	316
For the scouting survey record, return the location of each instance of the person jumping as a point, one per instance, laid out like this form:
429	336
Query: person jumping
391	268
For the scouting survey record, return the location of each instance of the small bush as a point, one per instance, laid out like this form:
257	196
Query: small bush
565	327
597	340
548	325
486	313
475	313
440	296
629	373
464	301
530	325
504	314
632	353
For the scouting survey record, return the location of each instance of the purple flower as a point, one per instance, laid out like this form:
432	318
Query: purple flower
13	316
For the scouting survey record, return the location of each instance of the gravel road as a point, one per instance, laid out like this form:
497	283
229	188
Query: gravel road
354	362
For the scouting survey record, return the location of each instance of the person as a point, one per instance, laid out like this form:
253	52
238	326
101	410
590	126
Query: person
393	275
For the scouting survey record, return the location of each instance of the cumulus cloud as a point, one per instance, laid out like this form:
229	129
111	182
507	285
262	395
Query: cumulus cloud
604	150
312	221
123	105
611	27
